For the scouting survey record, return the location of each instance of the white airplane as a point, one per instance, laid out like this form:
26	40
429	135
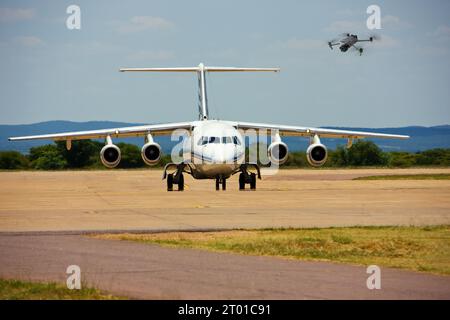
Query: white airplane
213	149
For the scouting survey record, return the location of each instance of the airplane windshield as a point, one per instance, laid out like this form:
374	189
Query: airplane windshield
214	140
202	141
224	140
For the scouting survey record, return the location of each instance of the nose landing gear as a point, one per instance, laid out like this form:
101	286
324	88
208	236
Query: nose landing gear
219	181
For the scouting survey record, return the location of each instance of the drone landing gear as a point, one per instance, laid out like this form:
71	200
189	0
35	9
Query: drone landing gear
360	50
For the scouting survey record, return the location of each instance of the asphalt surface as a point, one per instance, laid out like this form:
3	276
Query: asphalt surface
151	272
33	201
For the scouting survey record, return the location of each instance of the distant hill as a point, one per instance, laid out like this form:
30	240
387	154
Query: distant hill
422	138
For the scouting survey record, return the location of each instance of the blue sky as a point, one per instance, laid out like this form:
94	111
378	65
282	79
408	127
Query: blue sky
52	73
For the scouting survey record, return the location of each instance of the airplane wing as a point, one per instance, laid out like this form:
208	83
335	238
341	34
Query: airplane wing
135	131
321	132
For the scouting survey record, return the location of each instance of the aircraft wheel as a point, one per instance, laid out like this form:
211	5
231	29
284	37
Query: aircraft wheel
181	182
241	181
217	184
253	181
170	182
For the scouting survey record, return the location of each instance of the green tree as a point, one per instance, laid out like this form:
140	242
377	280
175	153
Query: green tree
131	156
13	160
362	153
402	159
296	159
435	157
47	157
81	154
339	157
366	153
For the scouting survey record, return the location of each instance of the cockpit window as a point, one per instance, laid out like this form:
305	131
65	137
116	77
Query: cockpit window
206	140
227	140
214	140
202	141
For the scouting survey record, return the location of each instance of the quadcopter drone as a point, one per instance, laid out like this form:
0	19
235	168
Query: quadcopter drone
348	41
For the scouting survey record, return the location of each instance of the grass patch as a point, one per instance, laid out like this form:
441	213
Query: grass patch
439	176
26	290
414	248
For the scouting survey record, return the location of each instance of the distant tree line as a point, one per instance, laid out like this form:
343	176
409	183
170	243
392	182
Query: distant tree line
84	154
368	154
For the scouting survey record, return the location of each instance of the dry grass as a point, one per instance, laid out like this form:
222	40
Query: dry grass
440	176
414	248
25	290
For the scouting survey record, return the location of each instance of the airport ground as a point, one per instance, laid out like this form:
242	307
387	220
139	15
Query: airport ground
45	215
138	200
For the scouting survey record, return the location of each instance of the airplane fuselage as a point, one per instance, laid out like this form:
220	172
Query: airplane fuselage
214	148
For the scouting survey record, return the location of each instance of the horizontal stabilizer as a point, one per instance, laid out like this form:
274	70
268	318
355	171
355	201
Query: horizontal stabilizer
199	69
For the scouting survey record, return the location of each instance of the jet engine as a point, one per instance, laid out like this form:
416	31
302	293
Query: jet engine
278	151
317	153
151	151
110	154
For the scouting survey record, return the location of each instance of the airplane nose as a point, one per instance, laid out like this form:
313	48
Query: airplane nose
222	153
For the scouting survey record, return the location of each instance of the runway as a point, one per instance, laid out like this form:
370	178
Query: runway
138	200
45	215
152	272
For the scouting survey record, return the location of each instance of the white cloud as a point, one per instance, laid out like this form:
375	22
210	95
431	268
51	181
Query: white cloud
393	21
386	42
28	41
15	14
143	23
390	20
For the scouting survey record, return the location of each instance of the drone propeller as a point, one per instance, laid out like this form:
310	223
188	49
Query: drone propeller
332	43
374	37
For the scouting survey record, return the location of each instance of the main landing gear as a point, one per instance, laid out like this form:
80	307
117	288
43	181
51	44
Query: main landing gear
177	179
247	178
221	181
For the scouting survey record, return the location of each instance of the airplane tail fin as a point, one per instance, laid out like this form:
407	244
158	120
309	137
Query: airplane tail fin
201	70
